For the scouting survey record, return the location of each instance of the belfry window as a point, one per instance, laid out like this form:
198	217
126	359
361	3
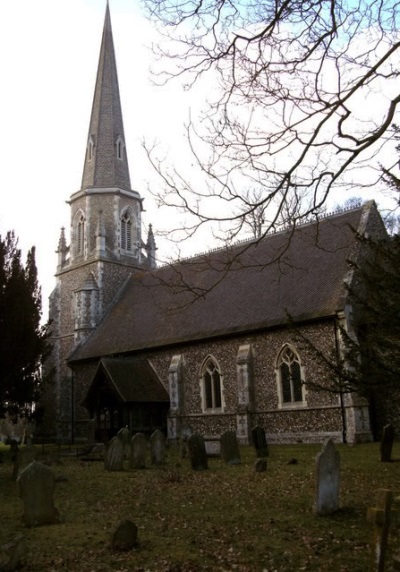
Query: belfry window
80	235
126	231
211	384
291	386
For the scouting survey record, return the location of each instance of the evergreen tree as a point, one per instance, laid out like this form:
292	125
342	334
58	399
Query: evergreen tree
23	341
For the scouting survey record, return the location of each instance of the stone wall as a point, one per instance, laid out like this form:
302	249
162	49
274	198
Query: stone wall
319	417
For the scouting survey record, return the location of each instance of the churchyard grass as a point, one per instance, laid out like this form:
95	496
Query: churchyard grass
224	518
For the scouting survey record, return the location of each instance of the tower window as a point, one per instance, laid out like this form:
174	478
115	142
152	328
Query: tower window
80	235
126	231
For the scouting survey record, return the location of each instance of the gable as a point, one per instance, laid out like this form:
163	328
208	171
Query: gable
126	381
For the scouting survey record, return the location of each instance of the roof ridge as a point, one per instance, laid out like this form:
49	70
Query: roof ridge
288	227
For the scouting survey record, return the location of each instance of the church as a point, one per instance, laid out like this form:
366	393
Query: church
208	344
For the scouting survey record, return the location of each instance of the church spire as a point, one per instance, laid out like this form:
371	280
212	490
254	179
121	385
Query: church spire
106	164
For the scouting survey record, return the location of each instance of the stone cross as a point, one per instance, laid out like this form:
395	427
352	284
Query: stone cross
138	451
157	448
327	480
36	488
381	516
197	452
387	443
230	448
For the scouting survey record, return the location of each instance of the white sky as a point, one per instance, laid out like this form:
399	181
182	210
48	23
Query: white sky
49	54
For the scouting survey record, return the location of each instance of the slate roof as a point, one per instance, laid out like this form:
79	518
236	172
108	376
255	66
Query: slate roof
249	287
132	380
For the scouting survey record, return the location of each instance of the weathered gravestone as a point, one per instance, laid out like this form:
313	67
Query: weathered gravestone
230	448
114	455
124	536
327	480
197	452
157	448
138	451
387	443
260	441
260	466
36	488
125	436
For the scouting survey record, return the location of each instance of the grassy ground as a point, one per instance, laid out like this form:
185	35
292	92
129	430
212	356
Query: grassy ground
226	518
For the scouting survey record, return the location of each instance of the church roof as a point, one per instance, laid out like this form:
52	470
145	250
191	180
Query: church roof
106	164
252	286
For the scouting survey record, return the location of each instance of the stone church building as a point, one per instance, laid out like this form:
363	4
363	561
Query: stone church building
203	345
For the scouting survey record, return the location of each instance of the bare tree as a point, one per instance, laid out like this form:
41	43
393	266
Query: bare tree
300	93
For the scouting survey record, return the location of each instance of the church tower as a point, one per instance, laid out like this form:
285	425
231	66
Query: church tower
105	234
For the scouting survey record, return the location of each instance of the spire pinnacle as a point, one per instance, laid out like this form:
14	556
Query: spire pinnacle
106	162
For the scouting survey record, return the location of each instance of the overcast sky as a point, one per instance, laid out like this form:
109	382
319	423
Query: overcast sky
49	54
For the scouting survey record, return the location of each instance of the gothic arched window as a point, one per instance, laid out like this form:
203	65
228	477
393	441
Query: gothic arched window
290	382
211	386
80	234
126	231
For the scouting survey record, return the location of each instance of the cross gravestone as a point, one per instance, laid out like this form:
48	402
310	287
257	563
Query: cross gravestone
36	488
230	448
327	480
197	452
157	448
387	443
138	451
114	455
260	441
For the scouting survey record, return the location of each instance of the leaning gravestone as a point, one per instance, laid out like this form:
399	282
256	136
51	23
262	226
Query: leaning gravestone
327	480
36	488
114	455
157	448
124	536
260	441
197	452
387	443
138	451
230	448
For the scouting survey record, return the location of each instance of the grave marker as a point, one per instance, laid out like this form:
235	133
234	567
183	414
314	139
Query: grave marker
197	452
387	443
380	516
260	441
114	455
124	536
230	448
36	488
327	480
138	451
157	448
